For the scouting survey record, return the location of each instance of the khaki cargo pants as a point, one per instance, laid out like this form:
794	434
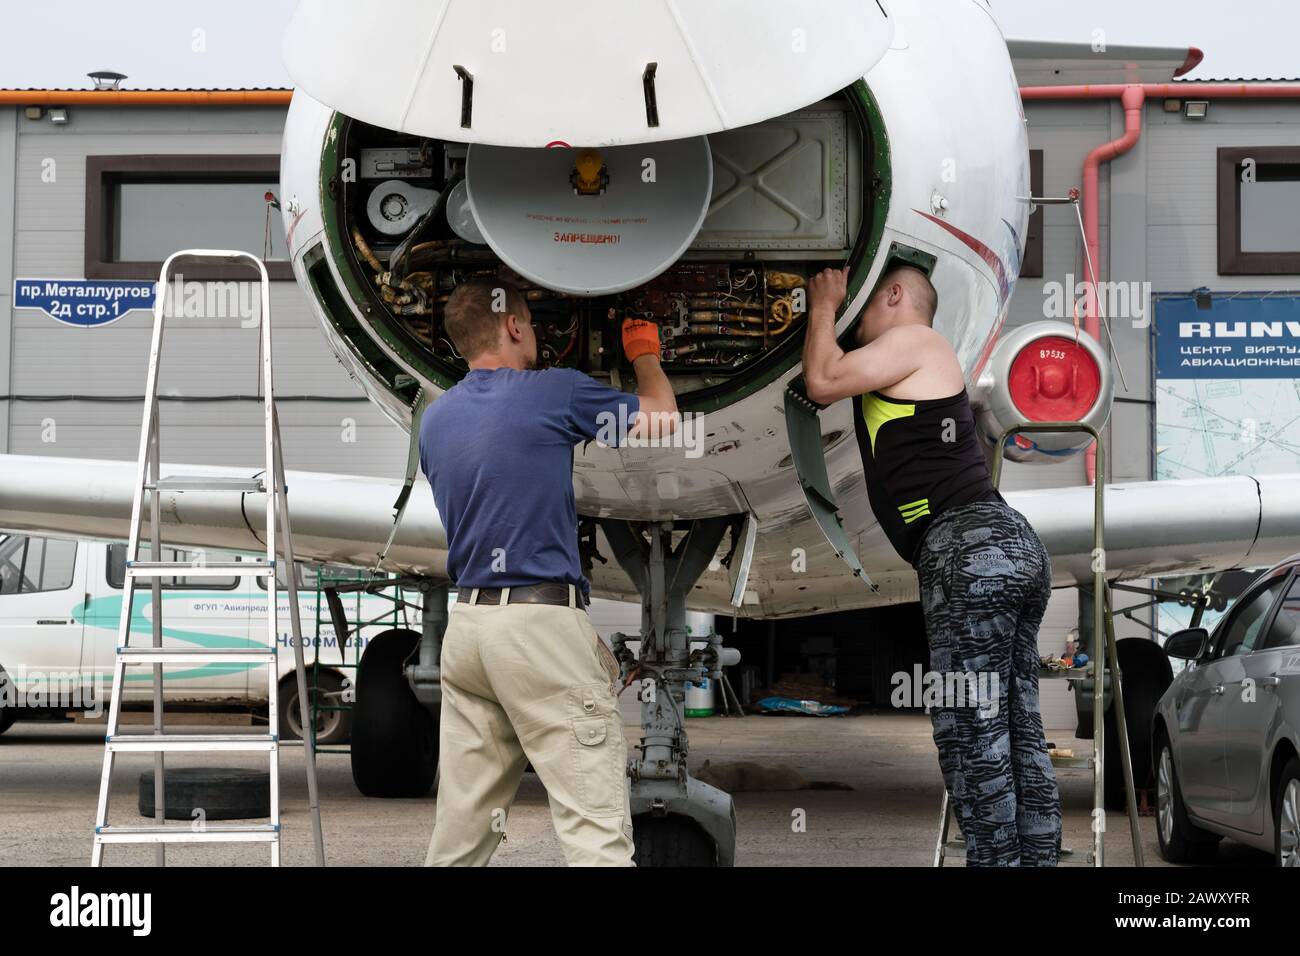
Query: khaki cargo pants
527	683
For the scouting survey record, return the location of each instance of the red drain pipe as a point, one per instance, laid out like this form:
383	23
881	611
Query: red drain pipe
1133	97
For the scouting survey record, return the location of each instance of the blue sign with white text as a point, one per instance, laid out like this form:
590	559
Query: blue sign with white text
85	302
1238	336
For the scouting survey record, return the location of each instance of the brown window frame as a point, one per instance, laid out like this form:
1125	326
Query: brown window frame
103	171
1031	266
1232	261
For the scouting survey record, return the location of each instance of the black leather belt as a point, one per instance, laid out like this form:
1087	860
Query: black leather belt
545	592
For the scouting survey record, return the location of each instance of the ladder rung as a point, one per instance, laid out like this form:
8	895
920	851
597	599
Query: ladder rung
195	743
157	569
1072	763
1070	857
1064	673
197	655
956	849
182	833
207	483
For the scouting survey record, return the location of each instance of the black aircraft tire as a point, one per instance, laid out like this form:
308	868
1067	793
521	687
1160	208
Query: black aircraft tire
394	737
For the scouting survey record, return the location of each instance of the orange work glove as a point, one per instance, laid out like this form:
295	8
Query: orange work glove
640	337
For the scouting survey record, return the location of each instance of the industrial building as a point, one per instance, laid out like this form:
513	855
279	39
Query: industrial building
67	389
1139	266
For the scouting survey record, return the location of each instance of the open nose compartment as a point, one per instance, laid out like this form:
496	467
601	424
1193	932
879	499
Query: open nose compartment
789	196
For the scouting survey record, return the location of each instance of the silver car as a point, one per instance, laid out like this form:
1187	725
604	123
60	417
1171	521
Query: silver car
1226	734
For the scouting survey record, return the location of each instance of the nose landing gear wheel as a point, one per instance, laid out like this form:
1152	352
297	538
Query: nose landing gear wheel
671	841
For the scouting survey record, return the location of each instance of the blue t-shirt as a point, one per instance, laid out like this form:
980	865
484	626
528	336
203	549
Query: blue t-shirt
498	450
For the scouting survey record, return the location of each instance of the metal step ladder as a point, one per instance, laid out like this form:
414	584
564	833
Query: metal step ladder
150	480
1103	634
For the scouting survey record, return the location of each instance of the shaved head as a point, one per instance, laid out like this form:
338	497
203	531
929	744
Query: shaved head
903	296
919	289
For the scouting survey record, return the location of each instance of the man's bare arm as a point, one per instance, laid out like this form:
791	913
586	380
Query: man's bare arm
658	415
829	372
885	362
826	292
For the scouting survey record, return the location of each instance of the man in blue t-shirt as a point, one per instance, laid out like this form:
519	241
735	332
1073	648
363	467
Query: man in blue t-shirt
525	677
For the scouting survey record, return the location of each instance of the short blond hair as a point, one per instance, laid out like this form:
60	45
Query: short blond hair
475	311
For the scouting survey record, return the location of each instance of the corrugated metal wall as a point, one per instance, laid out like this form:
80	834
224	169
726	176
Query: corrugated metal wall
50	361
1165	218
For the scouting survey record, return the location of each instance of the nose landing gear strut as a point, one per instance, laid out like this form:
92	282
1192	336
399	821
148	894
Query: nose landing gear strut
677	819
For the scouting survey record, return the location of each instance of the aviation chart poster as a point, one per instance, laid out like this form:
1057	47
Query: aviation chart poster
1227	384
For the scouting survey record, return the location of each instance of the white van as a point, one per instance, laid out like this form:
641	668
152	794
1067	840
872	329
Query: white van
61	605
60	610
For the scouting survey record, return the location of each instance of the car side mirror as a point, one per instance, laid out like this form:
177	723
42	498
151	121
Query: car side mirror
1187	644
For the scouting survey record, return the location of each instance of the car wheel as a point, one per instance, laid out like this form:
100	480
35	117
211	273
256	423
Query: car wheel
7	714
332	726
1286	816
1180	841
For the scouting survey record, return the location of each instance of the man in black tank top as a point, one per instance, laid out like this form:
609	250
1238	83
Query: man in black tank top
984	576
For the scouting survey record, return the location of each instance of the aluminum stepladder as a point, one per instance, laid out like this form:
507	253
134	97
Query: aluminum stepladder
1103	631
149	479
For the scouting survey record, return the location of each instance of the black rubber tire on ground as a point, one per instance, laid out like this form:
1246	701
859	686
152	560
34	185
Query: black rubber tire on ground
332	726
7	714
394	737
1186	842
222	793
671	841
1147	675
1290	773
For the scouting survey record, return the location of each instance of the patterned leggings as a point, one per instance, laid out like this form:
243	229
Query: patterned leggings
985	580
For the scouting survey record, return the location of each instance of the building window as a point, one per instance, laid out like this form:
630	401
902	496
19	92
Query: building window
141	209
1259	208
1032	266
31	565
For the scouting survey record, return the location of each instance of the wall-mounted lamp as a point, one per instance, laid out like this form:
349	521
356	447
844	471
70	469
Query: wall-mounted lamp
59	116
1196	109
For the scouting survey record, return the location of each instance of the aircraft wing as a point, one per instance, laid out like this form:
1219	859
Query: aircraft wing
1052	63
1168	527
1152	528
337	519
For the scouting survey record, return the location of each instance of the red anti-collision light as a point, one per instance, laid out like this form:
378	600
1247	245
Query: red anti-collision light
1054	380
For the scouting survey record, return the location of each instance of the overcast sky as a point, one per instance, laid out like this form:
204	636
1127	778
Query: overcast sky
214	43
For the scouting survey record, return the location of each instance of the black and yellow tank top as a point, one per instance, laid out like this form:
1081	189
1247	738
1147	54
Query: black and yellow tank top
919	458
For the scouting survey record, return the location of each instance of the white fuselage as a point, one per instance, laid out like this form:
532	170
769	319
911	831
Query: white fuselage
958	164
